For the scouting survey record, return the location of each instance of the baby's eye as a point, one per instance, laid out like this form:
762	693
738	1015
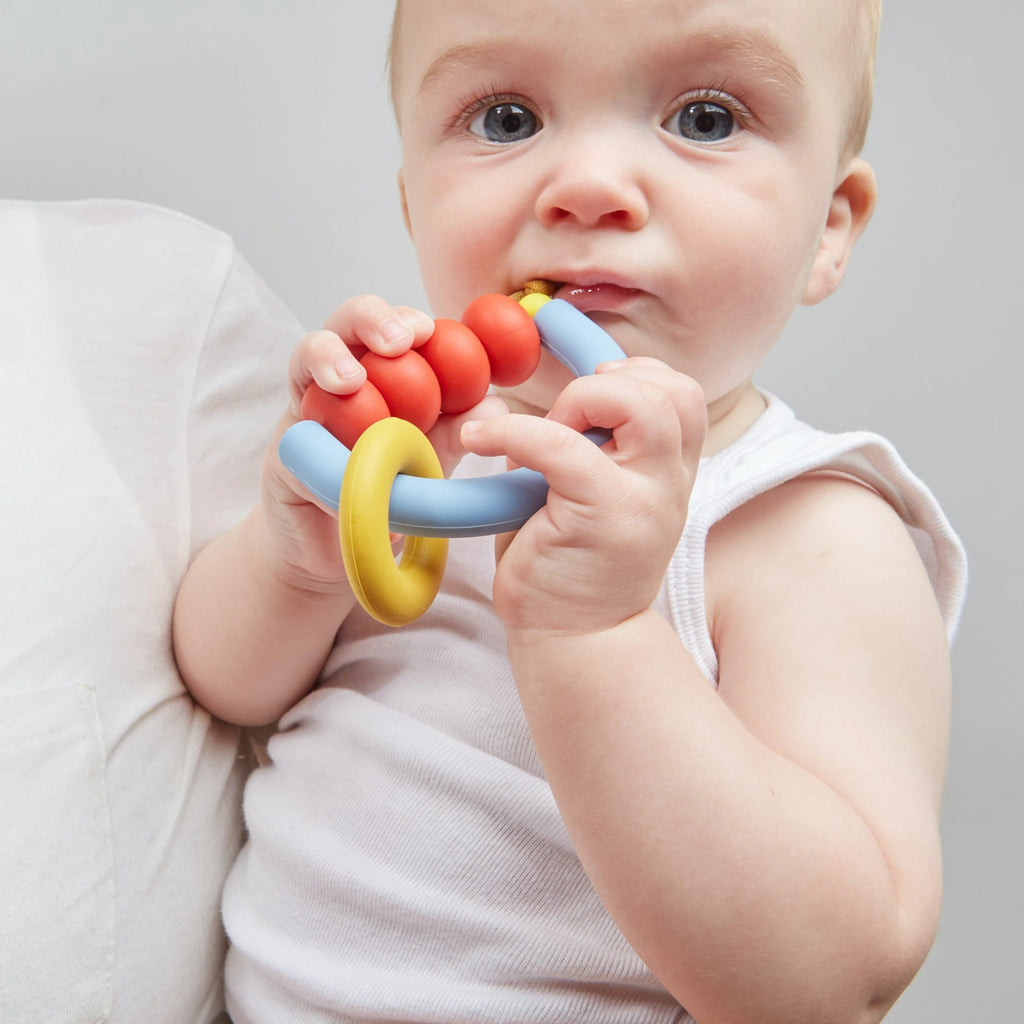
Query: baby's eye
505	122
702	122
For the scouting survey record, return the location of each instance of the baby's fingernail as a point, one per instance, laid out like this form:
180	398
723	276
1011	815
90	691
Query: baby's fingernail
348	371
395	329
612	364
470	429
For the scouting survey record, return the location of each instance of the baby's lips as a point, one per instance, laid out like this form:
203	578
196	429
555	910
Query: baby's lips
598	297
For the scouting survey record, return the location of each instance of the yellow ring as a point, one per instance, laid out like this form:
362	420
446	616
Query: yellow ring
394	594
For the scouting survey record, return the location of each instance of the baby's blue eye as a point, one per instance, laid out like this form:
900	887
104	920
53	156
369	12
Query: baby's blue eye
702	122
505	122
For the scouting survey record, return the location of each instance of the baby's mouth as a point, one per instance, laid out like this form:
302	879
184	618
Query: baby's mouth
537	287
589	298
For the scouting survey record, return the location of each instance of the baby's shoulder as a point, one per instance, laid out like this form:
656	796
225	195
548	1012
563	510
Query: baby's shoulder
818	536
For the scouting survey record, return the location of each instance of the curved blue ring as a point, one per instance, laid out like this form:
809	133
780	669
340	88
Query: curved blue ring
458	508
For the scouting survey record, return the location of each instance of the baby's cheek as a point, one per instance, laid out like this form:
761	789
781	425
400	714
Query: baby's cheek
455	269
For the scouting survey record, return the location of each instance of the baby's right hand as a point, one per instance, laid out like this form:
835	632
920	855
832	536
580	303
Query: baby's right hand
301	532
331	356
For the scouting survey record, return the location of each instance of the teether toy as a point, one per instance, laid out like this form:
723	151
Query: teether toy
384	480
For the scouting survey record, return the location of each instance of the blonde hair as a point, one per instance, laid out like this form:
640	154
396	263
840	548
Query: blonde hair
863	46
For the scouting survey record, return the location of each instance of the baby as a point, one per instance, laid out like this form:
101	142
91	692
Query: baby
676	749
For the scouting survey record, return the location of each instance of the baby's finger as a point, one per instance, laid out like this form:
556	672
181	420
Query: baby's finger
685	394
572	464
641	413
371	322
323	357
421	324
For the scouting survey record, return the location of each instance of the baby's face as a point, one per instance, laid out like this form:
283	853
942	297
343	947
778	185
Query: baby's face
671	162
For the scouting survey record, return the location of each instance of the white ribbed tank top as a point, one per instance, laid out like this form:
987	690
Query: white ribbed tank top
406	860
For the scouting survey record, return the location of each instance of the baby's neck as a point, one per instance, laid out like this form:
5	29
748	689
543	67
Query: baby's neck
731	416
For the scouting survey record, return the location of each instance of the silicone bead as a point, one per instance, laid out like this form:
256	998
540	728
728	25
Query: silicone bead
509	336
532	302
408	385
345	416
459	362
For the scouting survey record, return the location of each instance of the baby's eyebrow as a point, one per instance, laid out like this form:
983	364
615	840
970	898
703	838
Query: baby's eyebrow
759	52
460	58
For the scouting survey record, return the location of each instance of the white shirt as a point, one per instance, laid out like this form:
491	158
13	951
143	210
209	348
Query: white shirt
142	370
406	859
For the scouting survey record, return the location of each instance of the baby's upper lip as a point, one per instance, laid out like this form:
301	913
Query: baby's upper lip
594	278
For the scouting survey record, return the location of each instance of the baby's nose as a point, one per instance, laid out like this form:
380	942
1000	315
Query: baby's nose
597	186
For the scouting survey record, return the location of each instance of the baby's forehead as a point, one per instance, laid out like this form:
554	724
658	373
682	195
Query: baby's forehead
859	25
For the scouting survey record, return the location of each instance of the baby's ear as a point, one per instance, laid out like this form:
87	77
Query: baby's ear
853	203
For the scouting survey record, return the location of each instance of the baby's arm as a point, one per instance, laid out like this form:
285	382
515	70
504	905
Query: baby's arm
769	848
259	608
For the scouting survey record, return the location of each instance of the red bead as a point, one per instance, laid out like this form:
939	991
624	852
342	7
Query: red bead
508	335
460	363
408	385
345	416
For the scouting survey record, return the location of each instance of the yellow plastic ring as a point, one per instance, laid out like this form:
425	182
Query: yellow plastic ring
394	593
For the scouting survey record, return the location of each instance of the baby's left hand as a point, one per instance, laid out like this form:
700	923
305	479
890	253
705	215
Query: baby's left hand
596	553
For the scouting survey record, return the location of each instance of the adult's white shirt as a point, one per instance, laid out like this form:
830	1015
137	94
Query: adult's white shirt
142	370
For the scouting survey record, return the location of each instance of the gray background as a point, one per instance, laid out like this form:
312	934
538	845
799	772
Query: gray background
270	121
